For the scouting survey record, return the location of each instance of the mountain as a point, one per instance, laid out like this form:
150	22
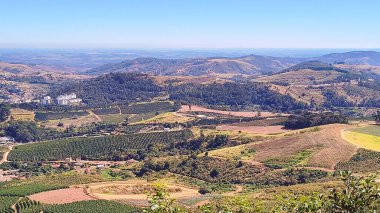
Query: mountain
251	64
353	58
23	83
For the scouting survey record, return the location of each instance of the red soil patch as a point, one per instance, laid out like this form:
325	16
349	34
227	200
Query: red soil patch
185	108
254	129
61	196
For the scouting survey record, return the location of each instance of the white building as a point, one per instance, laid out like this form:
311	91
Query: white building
5	140
68	99
46	100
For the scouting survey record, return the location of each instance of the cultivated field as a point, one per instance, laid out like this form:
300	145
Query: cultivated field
185	108
22	114
72	121
326	144
134	191
363	140
61	196
254	129
113	118
168	117
369	130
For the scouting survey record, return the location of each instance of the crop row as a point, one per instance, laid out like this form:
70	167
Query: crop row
6	203
147	107
44	116
92	206
94	147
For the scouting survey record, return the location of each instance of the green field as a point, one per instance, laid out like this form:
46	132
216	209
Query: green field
113	118
92	206
6	203
366	137
44	183
370	130
94	147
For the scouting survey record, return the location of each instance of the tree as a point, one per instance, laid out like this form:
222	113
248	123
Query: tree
5	112
376	116
214	173
358	194
160	201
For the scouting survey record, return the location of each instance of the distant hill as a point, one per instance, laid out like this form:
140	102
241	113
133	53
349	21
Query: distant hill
353	58
316	66
251	64
322	84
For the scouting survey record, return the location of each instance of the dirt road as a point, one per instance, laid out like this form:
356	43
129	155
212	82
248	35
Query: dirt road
5	155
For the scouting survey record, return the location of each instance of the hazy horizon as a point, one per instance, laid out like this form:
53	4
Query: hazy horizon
193	24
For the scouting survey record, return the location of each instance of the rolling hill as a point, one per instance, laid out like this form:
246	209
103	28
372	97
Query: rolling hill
22	83
322	84
353	58
251	64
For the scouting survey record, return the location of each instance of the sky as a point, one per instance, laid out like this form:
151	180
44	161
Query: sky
190	24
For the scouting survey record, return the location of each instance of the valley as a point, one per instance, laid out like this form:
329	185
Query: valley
202	138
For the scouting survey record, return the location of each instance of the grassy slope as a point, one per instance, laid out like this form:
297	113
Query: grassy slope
362	140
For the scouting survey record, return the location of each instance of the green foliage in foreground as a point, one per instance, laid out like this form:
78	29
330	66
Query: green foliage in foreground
92	206
359	194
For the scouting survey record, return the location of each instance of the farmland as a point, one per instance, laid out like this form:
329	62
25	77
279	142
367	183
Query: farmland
44	116
93	206
22	114
369	130
363	161
93	148
60	196
327	145
169	117
364	137
186	108
113	118
134	191
6	203
254	129
141	108
44	183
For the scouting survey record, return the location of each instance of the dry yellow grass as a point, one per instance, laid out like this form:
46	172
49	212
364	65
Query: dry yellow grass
168	117
22	115
231	152
232	134
71	121
366	141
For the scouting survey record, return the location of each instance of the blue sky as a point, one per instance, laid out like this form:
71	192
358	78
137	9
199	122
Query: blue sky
190	23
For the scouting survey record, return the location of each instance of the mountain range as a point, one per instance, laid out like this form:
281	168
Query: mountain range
250	65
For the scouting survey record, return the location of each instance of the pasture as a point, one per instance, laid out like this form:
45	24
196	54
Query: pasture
369	130
362	140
